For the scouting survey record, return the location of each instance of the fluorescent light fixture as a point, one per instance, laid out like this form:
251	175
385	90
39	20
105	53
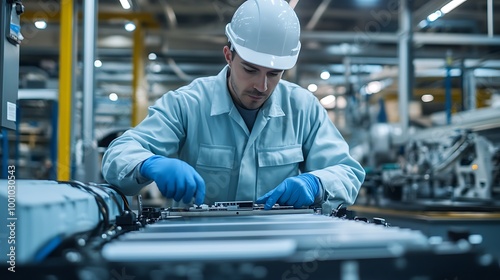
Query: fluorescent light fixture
441	12
423	24
432	17
451	5
125	4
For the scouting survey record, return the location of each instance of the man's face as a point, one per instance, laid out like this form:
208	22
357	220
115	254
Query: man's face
250	85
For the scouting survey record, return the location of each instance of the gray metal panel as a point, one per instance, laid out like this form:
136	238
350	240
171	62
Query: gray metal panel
284	236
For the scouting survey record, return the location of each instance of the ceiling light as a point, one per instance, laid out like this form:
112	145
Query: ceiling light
116	41
423	24
130	26
373	87
312	87
451	5
40	24
427	98
125	4
97	63
113	96
328	101
432	17
444	10
152	56
325	75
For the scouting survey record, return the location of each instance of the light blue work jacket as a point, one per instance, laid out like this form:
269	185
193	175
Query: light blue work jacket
200	125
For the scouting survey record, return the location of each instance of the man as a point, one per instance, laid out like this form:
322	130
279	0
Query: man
244	134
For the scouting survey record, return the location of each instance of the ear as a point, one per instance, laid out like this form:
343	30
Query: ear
228	55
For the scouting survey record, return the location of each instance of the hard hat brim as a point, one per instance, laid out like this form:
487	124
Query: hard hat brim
266	60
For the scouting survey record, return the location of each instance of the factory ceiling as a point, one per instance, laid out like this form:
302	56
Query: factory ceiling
359	37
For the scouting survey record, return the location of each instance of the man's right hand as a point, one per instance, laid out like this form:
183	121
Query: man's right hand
174	178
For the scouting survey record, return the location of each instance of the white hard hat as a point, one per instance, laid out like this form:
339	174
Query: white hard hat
266	33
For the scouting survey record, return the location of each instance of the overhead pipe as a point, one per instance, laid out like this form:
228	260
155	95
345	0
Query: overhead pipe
139	83
490	18
317	15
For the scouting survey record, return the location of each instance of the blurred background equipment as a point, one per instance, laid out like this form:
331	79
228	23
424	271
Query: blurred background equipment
442	164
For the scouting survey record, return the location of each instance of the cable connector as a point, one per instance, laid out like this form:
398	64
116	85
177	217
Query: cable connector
128	221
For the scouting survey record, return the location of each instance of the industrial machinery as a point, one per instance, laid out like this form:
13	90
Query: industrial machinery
454	166
72	230
457	165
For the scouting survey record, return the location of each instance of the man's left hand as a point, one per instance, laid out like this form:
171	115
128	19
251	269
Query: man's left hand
298	191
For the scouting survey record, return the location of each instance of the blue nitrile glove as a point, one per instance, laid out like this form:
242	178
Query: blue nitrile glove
174	178
298	191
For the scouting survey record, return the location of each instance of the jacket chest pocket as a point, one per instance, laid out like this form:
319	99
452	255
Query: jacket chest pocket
215	164
280	156
277	164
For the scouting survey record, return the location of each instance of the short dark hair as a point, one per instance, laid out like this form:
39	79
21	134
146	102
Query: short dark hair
233	51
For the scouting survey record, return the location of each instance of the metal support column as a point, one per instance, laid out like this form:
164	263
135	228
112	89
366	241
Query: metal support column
490	18
348	119
447	87
139	87
469	88
53	135
65	91
405	86
89	171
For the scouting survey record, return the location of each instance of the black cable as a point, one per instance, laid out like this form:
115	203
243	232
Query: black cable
111	195
124	197
102	205
99	199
